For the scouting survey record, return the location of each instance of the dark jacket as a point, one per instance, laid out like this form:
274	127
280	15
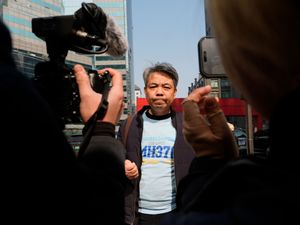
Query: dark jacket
183	155
247	191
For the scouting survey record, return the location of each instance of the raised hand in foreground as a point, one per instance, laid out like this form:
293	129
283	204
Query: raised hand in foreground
205	126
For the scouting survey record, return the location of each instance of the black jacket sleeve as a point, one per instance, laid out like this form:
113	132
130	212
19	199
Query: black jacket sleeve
103	160
200	172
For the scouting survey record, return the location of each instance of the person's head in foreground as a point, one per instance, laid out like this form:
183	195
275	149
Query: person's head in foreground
259	45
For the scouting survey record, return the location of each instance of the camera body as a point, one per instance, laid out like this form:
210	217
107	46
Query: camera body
99	83
85	33
57	84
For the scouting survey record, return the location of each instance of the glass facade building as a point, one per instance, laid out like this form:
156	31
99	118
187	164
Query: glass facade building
120	11
28	48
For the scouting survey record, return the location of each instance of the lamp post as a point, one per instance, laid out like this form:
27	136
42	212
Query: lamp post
249	125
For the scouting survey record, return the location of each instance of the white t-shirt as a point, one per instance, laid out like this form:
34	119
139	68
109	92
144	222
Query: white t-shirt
157	185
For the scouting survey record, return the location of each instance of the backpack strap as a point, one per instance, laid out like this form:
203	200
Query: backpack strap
126	129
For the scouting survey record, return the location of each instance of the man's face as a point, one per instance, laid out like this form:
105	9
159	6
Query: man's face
160	93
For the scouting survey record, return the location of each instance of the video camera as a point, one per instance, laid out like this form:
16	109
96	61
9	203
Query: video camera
88	31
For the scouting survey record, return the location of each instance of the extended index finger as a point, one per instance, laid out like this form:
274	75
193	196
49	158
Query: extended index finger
199	93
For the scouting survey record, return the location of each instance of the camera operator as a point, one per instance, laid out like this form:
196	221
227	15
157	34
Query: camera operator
42	180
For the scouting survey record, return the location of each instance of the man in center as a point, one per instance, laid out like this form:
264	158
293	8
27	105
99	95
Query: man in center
157	154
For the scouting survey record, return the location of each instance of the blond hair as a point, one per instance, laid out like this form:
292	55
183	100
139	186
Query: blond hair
259	46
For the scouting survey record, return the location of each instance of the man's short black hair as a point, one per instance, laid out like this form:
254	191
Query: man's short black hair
162	67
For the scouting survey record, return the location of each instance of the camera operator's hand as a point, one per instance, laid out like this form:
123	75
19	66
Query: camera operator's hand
208	134
90	100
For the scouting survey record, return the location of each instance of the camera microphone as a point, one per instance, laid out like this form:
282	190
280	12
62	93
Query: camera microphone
100	31
117	44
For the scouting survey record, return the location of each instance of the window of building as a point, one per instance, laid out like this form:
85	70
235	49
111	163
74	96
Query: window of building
214	83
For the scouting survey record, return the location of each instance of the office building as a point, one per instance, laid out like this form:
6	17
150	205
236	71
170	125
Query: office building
28	49
120	11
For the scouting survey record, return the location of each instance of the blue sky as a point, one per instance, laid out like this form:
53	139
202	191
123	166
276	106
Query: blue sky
165	31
